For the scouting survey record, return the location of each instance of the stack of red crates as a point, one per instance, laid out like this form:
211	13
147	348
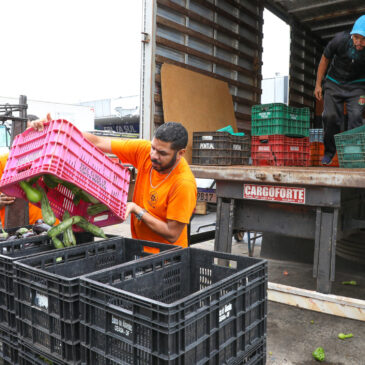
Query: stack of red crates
280	135
280	150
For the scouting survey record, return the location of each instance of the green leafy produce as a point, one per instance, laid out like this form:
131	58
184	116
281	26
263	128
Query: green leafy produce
32	194
318	354
89	227
47	212
96	209
351	282
68	235
342	336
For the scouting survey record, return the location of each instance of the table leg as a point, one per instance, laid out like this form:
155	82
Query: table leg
325	248
223	235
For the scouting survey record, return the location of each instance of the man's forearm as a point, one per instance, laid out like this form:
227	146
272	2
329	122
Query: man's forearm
322	68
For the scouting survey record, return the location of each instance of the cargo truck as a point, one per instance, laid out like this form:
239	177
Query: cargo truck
223	39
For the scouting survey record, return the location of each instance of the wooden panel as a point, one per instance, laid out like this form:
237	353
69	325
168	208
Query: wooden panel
199	102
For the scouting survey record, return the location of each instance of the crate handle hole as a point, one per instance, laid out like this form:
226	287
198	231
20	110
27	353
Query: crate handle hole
232	264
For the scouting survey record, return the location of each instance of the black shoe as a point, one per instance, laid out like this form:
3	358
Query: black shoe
327	158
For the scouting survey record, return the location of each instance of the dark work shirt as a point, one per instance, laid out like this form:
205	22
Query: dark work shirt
347	64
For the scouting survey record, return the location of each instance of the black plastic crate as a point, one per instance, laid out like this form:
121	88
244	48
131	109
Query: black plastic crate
47	291
220	148
183	307
29	355
8	348
11	251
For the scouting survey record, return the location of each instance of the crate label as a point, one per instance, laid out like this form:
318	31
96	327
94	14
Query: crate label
265	115
294	148
41	301
206	146
282	194
237	147
100	218
264	148
122	327
225	312
207	138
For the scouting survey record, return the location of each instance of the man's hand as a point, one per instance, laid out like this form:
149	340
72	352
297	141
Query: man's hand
131	208
318	92
6	200
38	124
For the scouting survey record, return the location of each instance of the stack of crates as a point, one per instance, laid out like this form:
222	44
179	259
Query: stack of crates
280	135
220	148
317	149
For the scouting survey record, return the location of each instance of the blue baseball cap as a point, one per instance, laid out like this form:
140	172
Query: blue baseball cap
359	26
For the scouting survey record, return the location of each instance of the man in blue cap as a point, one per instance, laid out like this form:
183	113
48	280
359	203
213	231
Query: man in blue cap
344	83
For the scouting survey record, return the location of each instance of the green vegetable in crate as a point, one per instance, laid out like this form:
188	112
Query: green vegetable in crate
86	197
51	181
32	194
57	243
68	236
87	226
47	212
21	231
318	354
77	198
96	209
33	180
60	228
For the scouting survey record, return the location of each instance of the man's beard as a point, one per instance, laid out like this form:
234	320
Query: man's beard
161	169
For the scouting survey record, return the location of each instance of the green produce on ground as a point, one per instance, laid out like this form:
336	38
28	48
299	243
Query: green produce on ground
342	336
351	282
318	354
32	194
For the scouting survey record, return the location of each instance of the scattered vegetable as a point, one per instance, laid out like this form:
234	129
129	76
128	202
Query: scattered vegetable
33	194
351	282
57	243
60	228
318	354
21	231
41	227
342	336
4	235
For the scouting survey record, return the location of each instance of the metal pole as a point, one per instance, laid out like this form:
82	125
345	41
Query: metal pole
17	215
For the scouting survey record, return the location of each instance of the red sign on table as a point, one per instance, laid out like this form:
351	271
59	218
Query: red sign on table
282	194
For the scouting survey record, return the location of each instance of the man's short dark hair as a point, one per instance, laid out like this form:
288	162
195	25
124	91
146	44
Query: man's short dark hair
32	117
173	132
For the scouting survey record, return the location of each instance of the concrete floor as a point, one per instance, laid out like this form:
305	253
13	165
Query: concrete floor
291	337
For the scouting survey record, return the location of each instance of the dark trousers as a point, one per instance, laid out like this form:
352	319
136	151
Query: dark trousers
333	113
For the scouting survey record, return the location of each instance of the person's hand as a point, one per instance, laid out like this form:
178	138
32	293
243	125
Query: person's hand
6	200
318	92
38	124
130	208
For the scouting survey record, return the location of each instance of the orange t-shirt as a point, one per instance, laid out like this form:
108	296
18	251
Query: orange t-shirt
173	199
35	213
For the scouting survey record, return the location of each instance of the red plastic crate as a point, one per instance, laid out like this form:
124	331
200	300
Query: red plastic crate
316	155
279	150
61	150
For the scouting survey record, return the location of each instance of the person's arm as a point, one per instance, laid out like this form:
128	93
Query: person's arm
322	68
170	230
103	143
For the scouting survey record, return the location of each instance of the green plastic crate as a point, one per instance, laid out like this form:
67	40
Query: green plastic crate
278	118
351	148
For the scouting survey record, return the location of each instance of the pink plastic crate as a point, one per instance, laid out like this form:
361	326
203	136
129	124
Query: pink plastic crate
62	150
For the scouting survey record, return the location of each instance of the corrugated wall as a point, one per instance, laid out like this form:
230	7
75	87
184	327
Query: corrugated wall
305	53
218	38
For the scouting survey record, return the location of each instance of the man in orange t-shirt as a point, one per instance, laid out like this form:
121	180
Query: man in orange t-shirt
165	191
